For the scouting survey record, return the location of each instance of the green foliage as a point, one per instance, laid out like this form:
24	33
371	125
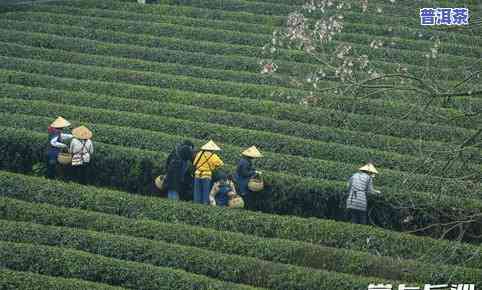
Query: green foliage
264	9
67	263
316	231
298	121
389	108
15	280
283	194
230	268
275	250
293	65
289	61
260	19
257	35
352	32
123	132
373	124
152	76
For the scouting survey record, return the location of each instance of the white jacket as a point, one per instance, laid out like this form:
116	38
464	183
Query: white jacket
81	151
55	141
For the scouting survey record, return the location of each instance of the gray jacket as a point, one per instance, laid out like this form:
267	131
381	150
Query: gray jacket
360	184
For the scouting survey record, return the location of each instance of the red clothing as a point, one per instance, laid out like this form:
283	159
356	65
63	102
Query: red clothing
53	130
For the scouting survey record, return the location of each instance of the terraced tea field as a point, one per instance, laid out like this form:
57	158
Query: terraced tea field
146	77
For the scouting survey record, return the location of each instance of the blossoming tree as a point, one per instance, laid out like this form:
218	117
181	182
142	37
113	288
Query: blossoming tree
343	69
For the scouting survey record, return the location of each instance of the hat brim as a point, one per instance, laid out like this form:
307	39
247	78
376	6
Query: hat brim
252	152
82	133
252	155
60	123
369	169
210	146
83	136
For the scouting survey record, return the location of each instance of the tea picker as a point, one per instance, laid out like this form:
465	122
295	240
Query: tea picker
360	185
247	178
81	149
177	168
205	162
56	145
223	191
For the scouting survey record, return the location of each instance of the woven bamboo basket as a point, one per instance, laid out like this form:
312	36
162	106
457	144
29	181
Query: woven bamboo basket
256	184
64	158
159	181
236	202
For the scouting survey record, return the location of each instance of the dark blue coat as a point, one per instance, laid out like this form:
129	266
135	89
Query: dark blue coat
53	152
244	172
177	165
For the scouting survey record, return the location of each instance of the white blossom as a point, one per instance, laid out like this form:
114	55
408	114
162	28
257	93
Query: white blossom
364	4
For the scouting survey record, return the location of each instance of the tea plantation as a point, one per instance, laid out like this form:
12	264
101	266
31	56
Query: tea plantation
146	77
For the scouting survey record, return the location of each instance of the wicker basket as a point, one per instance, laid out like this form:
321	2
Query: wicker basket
236	202
256	184
64	158
159	181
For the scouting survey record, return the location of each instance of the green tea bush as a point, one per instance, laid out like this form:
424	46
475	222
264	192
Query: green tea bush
54	261
230	268
317	231
15	280
371	124
170	135
275	250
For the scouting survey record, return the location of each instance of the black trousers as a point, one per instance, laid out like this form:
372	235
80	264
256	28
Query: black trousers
358	216
51	169
80	173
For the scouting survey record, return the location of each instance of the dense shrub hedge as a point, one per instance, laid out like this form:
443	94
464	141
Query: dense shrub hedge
255	41
277	9
236	269
202	127
387	10
316	231
67	263
276	250
293	117
15	280
265	20
133	170
239	63
172	107
161	60
161	134
354	36
377	125
144	169
207	54
390	108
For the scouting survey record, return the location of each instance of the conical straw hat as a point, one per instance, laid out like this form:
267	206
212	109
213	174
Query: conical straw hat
82	133
210	146
60	123
369	168
252	152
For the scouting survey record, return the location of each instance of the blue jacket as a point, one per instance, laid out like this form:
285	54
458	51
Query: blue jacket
244	172
177	167
53	152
